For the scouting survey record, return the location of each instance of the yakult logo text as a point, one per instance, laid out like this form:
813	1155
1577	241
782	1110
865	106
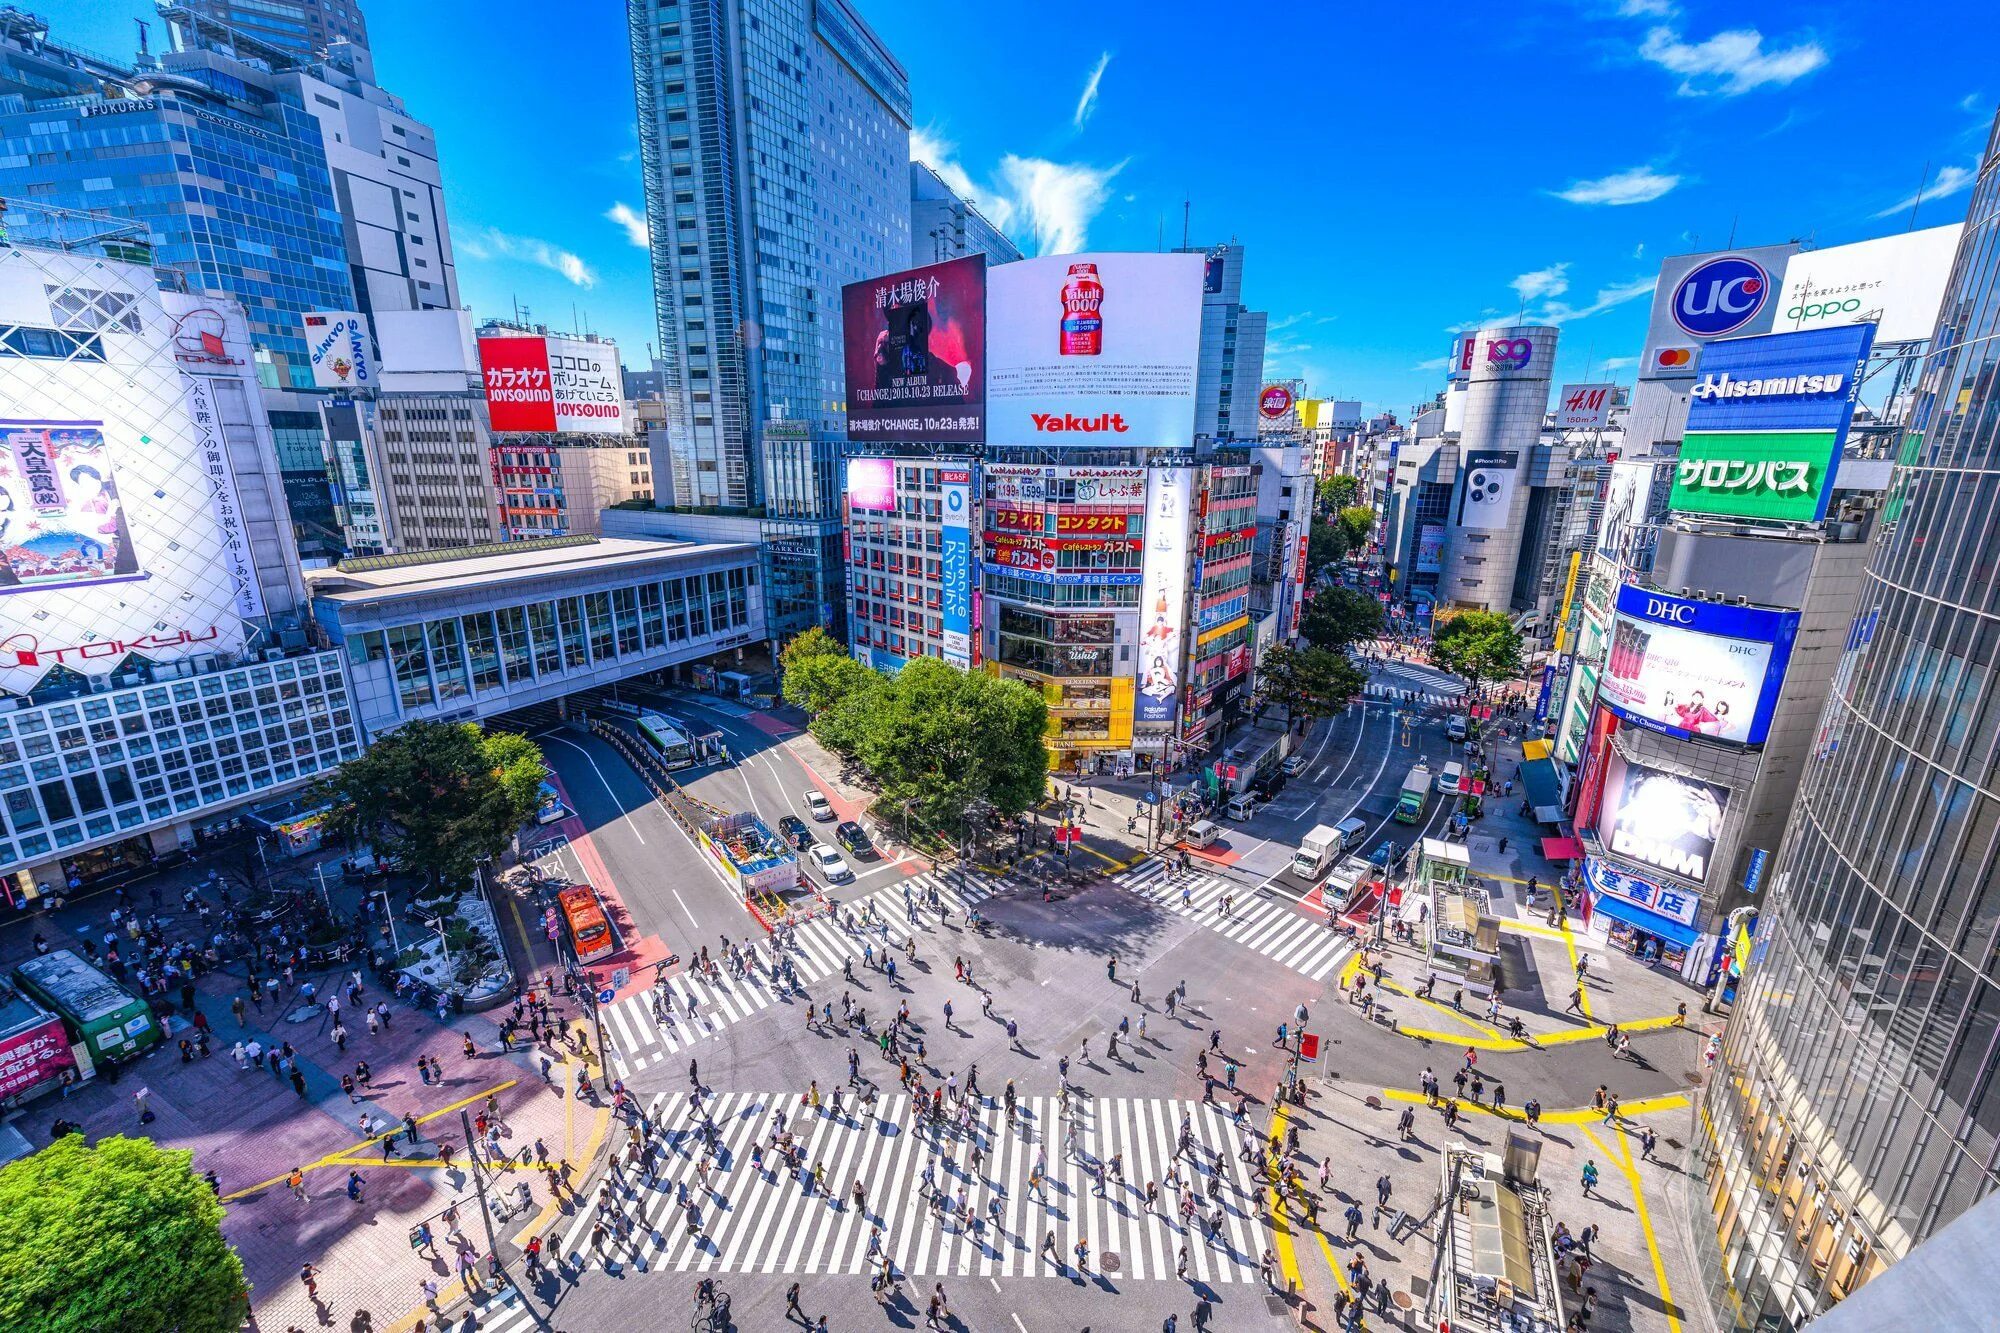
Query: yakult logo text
1050	423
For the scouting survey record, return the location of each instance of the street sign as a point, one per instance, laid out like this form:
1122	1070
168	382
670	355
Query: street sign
607	995
619	977
1308	1046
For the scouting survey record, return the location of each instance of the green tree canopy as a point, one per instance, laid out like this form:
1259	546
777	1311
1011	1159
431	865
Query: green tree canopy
1338	491
436	797
1336	618
940	738
1356	522
1478	645
1326	546
1308	682
815	642
122	1235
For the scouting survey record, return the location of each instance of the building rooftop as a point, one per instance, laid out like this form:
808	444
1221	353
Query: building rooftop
423	572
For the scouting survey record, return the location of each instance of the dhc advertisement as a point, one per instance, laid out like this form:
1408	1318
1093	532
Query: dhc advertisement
1696	669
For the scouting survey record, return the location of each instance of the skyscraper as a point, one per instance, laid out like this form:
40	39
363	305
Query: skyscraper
775	151
944	226
304	28
1855	1111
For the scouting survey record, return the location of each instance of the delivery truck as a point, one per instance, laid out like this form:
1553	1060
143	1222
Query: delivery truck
1316	851
1416	796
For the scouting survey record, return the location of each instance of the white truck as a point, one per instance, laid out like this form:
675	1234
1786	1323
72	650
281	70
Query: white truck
1316	851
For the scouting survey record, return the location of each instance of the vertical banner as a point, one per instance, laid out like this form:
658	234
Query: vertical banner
213	452
1163	594
64	523
957	565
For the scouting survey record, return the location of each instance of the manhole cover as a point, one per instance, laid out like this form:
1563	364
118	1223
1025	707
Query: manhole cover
1275	1304
1110	1263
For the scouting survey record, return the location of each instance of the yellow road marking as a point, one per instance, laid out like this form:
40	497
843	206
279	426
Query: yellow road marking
1583	992
1281	1222
339	1156
1622	1159
1644	1106
1568	1036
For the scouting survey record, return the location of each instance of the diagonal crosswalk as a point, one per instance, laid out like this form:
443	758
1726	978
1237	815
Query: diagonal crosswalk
644	1031
1428	698
762	1216
1305	944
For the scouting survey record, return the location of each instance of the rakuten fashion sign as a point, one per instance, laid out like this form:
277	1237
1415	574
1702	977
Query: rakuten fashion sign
552	385
1093	349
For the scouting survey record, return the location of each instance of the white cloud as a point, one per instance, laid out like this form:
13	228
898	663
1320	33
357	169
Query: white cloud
1620	363
1056	200
490	243
936	152
1560	312
633	222
1542	282
1730	63
1638	185
1088	102
1639	250
1973	104
1435	363
1950	180
1651	9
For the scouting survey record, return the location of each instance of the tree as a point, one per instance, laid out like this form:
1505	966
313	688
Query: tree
818	683
1338	491
1336	618
1308	682
1356	523
846	693
1326	546
1478	645
120	1235
813	643
435	797
938	738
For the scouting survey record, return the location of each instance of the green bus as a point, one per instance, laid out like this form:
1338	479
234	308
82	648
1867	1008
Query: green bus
111	1022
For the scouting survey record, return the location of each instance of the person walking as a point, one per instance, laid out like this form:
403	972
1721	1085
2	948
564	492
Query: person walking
1589	1178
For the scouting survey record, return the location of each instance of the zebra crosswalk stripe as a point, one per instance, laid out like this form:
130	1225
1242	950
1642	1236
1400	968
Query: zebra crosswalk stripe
818	948
769	1221
1304	944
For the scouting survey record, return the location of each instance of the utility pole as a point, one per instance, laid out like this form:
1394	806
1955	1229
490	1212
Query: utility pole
478	1180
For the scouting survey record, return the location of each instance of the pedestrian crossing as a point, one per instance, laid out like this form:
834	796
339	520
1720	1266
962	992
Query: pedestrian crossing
643	1035
760	1215
1305	944
1427	698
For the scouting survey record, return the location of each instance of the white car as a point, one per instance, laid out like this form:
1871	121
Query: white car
819	807
832	864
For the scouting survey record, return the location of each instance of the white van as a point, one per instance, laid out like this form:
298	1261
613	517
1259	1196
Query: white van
1201	833
1456	726
1449	775
1242	806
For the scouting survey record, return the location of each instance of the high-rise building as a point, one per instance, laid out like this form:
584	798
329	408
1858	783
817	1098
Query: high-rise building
1854	1111
1232	349
775	150
303	28
1505	400
945	226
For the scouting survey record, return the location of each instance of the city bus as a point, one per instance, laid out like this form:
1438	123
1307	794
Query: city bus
110	1021
548	804
589	929
668	740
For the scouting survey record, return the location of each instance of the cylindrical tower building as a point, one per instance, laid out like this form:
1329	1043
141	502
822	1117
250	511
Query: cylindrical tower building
1504	405
1854	1111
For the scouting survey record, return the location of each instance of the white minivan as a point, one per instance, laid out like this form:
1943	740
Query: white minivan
1201	833
1448	776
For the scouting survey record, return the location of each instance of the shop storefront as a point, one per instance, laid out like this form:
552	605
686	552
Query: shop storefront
1650	922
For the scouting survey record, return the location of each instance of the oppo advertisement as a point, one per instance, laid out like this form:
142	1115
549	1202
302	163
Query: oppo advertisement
1093	349
1163	594
915	346
1699	669
1660	819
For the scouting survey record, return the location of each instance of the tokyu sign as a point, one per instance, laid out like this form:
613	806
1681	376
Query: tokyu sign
1782	476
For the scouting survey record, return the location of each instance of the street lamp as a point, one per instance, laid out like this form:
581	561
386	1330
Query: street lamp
389	915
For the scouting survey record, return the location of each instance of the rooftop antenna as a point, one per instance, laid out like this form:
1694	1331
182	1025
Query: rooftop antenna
1923	183
1730	244
143	48
1161	243
1187	209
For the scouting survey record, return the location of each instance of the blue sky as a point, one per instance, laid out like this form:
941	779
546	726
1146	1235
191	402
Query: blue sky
1398	171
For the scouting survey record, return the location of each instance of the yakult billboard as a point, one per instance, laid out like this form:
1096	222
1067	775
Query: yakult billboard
1093	349
552	384
915	345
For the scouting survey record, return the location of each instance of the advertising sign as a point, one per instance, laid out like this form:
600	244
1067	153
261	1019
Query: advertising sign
552	384
213	452
28	1057
956	550
1660	819
64	524
1669	901
1163	594
1005	481
1092	525
1584	406
1274	402
915	345
1766	422
1700	669
871	484
1894	282
1430	548
1702	297
1016	520
1627	533
1094	349
1487	491
340	350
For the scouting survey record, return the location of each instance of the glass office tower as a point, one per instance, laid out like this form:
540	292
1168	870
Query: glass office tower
1854	1111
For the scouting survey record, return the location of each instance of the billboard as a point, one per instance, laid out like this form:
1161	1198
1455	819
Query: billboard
1766	422
1163	592
1487	490
1094	349
1699	298
1013	483
1275	402
1894	282
1660	819
32	1055
1584	406
110	546
1627	533
915	348
1697	669
956	563
1430	548
540	384
871	483
340	350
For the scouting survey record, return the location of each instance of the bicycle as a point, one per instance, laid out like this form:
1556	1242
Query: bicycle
712	1316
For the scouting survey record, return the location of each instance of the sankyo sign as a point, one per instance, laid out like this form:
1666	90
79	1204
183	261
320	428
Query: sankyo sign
1777	475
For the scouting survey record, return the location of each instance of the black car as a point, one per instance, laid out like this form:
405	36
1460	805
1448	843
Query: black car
795	831
854	838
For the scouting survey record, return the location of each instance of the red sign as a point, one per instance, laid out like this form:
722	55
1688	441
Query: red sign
1014	520
1275	401
1019	554
26	1058
1109	525
519	395
1309	1046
